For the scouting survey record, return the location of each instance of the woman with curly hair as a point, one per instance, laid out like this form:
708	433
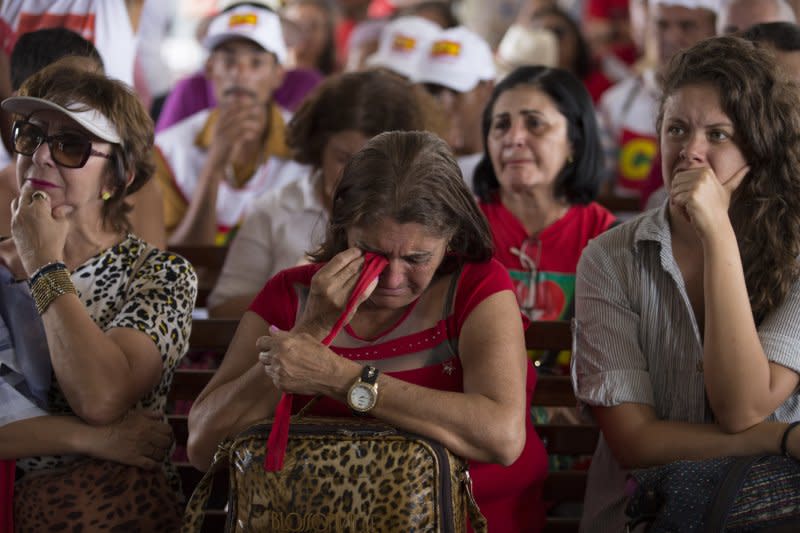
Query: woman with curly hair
688	323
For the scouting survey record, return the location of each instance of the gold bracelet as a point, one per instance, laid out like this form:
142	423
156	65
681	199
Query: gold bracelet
50	285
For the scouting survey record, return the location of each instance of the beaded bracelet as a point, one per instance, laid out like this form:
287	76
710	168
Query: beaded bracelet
785	436
49	285
44	269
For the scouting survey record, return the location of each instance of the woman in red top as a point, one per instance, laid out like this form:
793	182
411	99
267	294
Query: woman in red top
441	326
536	183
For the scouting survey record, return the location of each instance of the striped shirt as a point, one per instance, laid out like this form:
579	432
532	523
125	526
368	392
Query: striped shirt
638	341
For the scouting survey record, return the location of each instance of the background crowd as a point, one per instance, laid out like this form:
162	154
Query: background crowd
513	160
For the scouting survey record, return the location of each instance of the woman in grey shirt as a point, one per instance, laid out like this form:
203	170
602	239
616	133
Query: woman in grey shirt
688	339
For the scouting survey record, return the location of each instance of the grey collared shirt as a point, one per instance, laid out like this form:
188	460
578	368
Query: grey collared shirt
638	341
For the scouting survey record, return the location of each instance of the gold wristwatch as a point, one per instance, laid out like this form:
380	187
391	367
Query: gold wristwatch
363	393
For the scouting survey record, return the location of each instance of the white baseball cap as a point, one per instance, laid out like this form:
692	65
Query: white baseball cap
91	119
259	25
522	45
401	44
711	5
457	59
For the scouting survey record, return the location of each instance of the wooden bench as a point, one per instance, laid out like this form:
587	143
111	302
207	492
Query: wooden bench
620	204
207	262
561	487
214	336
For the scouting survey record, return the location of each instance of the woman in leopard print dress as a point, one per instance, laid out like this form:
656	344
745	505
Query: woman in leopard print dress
116	312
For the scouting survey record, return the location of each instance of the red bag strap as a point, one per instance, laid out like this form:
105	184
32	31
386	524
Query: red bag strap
279	434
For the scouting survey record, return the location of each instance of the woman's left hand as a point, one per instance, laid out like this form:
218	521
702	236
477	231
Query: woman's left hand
139	438
702	198
39	231
298	363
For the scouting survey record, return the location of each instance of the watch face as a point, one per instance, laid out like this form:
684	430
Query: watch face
362	397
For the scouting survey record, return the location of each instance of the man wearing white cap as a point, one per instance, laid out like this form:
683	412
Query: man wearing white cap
212	164
739	15
401	44
627	111
459	71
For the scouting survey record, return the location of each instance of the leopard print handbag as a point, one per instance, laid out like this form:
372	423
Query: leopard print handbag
341	475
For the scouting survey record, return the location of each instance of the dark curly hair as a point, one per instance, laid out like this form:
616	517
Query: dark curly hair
762	104
409	177
369	102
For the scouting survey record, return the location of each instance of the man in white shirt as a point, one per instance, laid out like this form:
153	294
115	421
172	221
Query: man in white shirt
459	70
738	15
627	111
214	163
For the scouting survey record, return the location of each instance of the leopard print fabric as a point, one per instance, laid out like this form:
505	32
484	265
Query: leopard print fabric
49	501
342	480
158	302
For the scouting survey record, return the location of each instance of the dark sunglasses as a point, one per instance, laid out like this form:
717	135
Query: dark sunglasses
69	150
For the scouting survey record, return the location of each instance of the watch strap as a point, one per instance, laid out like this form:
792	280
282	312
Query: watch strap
369	374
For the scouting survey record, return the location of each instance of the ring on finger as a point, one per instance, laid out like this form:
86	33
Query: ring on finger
264	356
39	195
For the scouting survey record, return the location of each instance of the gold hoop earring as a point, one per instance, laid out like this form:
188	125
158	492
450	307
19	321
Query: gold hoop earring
105	196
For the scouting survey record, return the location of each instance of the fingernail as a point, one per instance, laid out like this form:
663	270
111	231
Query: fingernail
273	328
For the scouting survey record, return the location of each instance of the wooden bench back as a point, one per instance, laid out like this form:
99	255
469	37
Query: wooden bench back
562	486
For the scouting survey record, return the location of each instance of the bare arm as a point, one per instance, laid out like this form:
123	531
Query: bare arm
238	394
101	374
486	422
638	439
138	439
743	386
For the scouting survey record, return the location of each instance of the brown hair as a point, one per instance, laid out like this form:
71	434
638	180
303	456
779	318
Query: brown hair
763	105
369	102
409	177
326	63
65	85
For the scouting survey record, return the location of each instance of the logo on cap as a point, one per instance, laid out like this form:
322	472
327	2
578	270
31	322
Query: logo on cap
243	19
403	43
446	48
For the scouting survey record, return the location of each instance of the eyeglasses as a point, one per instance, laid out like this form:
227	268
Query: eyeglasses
68	150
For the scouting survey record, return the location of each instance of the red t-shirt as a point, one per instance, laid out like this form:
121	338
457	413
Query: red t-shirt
607	9
418	352
550	258
596	83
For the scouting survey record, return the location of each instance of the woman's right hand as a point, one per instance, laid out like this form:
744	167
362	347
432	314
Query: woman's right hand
330	289
39	230
139	438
